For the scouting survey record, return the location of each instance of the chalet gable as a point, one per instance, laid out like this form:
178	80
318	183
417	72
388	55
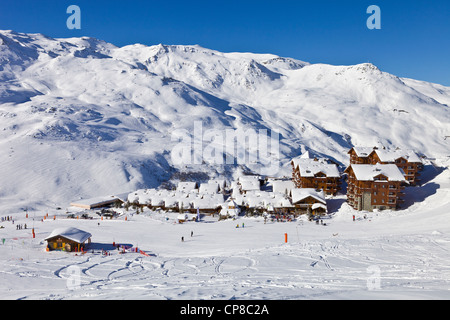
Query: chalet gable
380	177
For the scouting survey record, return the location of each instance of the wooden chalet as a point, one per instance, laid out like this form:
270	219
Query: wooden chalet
409	162
309	200
374	186
68	239
316	173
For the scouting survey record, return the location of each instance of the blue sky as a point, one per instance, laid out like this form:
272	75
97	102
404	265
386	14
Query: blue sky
414	39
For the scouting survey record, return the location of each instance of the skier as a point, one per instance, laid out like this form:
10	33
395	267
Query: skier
192	233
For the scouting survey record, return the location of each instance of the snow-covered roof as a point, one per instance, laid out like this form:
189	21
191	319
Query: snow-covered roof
171	201
210	188
310	167
221	182
392	155
319	205
98	201
248	184
368	172
142	196
300	194
186	186
208	201
363	152
281	186
70	233
263	199
387	155
249	178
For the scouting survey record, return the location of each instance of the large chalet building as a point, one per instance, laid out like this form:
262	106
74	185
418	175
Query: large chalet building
317	174
409	162
374	186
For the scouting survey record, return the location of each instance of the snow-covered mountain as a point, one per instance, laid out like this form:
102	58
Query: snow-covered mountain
80	117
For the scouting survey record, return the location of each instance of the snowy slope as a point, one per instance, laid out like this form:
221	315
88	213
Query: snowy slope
385	255
80	117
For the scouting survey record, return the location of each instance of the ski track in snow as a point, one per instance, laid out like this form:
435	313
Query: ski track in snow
302	270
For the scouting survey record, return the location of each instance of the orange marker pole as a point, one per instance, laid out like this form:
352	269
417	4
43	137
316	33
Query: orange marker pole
285	237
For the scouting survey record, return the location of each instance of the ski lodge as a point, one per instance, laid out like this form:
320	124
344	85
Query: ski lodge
309	200
68	239
98	202
374	186
316	173
408	161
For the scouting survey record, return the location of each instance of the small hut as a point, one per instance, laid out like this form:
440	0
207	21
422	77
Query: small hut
68	239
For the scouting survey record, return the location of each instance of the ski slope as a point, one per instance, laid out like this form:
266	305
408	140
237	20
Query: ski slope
380	255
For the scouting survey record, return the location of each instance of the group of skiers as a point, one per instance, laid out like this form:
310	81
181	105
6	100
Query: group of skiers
20	227
7	218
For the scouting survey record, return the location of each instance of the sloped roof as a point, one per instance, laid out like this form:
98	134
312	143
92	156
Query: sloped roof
363	152
247	185
367	172
386	155
392	155
211	187
310	167
70	233
187	186
300	194
280	186
99	201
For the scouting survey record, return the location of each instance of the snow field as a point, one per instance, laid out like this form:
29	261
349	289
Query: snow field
366	258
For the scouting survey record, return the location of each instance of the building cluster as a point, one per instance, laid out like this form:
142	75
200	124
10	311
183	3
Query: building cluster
375	179
251	194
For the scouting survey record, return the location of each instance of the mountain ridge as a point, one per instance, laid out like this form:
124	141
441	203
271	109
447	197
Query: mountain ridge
72	105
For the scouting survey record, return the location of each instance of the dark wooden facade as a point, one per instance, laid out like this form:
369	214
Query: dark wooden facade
318	180
411	169
379	193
